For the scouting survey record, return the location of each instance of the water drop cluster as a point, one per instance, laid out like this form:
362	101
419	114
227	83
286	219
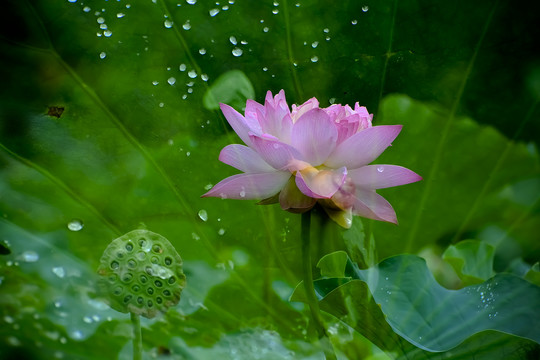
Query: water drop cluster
141	272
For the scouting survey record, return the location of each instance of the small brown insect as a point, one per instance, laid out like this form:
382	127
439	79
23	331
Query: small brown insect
55	111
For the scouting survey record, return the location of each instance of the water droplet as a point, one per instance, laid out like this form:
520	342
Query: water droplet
191	2
276	3
192	74
161	104
233	41
275	11
30	256
213	12
204	77
354	22
86	9
326	30
221	231
265	29
9	319
103	26
171	80
59	271
155	82
100	20
365	8
314	59
237	52
314	44
77	335
225	7
168	24
107	33
243	193
203	215
186	25
102	55
265	68
195	237
202	51
182	67
87	319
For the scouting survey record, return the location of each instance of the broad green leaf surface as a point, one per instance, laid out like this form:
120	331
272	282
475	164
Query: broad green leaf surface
472	260
103	127
413	306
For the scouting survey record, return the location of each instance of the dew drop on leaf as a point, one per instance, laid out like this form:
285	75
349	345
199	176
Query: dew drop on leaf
237	52
168	24
213	12
314	59
75	225
365	8
171	80
203	215
59	271
30	256
186	25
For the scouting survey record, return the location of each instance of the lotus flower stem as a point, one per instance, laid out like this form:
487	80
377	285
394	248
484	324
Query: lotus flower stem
310	290
137	336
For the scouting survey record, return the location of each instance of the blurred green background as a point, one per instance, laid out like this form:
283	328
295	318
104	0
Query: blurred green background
102	124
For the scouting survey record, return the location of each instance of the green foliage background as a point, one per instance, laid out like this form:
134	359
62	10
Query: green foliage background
135	144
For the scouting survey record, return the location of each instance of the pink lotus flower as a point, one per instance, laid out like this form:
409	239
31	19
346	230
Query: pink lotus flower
310	155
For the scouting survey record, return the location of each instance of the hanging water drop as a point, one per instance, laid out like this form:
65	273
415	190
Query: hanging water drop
75	224
237	52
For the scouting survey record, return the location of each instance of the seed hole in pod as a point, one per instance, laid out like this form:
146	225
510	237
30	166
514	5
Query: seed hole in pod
120	254
113	278
158	283
115	265
132	263
140	300
136	288
157	249
127	277
150	291
150	303
127	298
149	270
117	290
142	242
166	292
172	280
143	279
154	260
129	246
159	300
168	261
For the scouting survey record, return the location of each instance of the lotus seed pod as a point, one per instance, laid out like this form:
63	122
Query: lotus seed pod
141	272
